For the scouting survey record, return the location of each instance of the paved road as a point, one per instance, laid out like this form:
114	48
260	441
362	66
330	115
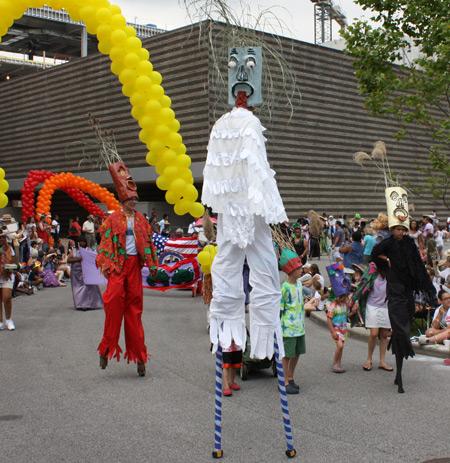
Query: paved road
58	406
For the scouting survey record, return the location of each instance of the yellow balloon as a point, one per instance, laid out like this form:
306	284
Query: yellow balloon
2	173
172	173
165	101
144	55
171	197
147	122
131	61
155	146
181	207
103	15
160	168
103	47
133	44
117	67
197	210
203	258
182	161
190	193
169	157
152	107
104	32
137	112
3	200
127	76
144	68
162	183
166	116
118	21
152	159
130	31
4	186
206	269
118	36
156	91
128	90
162	132
138	99
117	53
174	140
143	83
174	126
145	136
156	77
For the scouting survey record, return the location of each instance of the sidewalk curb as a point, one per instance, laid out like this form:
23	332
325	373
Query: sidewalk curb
363	335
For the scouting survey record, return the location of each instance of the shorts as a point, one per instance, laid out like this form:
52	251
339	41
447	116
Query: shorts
232	359
7	284
294	346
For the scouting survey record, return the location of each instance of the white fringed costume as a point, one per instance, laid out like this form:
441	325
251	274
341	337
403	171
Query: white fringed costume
240	186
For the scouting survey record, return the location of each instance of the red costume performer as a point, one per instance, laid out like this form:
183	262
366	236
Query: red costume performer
126	246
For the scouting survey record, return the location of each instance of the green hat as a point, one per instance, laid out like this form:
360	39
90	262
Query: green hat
289	261
357	216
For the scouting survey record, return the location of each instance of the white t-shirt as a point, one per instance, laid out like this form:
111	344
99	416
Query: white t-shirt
438	238
55	226
131	241
321	305
445	320
88	227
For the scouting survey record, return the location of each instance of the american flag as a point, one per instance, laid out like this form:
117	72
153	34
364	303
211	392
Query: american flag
187	247
159	241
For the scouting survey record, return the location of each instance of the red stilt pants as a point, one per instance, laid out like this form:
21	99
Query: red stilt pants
123	299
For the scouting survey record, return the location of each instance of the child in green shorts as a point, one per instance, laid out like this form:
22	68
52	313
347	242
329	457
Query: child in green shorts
292	312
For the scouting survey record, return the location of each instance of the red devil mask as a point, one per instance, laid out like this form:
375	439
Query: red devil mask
123	181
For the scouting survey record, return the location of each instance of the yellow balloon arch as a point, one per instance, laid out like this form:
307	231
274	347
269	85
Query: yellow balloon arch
140	82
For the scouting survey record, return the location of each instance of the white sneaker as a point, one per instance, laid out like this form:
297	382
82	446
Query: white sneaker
2	326
10	325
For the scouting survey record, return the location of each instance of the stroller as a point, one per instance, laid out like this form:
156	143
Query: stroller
249	364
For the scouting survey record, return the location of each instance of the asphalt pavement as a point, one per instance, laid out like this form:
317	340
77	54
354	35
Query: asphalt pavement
57	405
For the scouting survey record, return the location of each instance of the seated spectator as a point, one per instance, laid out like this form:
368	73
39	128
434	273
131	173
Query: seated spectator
34	253
50	264
317	302
315	276
440	326
22	284
35	276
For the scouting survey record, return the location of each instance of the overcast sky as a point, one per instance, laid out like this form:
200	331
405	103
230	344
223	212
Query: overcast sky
297	14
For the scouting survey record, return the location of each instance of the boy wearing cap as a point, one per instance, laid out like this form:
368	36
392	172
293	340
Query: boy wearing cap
292	312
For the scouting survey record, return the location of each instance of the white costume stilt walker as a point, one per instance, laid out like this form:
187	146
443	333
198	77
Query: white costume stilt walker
240	186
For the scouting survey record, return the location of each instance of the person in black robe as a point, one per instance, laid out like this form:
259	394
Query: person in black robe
406	276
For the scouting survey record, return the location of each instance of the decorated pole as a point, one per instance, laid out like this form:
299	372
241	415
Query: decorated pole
218	452
290	452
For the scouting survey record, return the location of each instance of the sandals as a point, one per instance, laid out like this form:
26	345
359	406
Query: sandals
234	387
227	392
385	368
367	366
338	369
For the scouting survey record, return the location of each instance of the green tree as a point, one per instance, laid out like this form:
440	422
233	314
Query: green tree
412	91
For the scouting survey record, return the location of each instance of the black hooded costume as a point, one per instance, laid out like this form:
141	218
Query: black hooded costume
405	277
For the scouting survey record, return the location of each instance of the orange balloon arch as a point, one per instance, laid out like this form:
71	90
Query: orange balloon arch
68	179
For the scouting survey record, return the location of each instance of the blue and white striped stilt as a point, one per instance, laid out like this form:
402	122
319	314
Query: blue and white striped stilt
218	453
290	452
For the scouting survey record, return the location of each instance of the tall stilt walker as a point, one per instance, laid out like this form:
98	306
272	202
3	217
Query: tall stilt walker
126	246
240	187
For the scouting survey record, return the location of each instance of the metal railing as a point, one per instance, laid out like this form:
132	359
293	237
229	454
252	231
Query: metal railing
48	13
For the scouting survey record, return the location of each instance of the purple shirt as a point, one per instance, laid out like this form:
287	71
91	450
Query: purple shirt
377	295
